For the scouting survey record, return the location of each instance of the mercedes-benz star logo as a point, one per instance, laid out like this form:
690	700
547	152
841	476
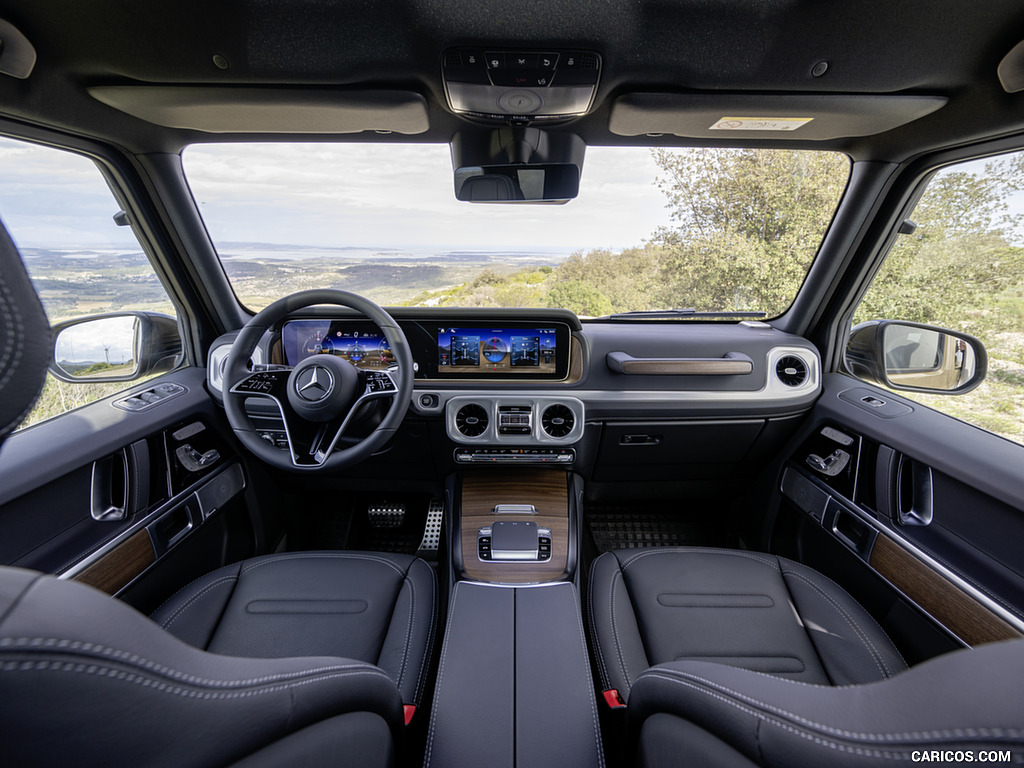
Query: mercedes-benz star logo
314	383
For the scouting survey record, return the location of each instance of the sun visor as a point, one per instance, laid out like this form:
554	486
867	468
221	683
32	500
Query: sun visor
268	110
815	117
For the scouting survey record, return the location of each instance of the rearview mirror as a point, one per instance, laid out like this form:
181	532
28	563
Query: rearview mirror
556	183
916	357
121	346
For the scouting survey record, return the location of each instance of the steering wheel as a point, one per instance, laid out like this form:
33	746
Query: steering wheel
319	397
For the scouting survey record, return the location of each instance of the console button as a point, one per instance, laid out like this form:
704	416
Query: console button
522	60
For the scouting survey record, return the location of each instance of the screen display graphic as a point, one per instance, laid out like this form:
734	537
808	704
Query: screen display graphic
362	344
497	350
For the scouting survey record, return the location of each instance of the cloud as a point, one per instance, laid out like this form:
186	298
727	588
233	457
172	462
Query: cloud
395	195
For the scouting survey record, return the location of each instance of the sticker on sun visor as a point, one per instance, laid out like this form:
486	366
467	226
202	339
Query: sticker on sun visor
760	123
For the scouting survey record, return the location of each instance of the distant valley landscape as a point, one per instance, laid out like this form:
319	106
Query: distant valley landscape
76	282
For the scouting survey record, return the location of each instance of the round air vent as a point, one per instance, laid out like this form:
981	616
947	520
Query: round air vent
558	420
791	370
471	420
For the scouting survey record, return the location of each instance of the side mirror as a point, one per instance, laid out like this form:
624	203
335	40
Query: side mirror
916	357
120	346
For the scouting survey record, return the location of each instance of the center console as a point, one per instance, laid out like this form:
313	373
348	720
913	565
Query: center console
514	527
514	687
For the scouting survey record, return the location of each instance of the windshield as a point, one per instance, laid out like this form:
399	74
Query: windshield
709	230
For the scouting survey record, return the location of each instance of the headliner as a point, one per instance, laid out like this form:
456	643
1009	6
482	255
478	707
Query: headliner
945	48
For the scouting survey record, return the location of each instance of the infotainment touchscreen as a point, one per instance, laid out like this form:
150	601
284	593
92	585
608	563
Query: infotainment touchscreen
500	351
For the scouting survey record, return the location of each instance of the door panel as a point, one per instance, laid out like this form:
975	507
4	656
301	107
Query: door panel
930	508
102	495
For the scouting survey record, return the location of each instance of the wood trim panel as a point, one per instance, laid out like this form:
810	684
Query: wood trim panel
546	490
964	616
575	361
113	571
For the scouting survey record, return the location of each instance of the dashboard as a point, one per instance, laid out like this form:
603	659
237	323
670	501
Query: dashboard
624	400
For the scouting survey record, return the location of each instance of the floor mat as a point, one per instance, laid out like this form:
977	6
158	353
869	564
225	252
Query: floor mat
618	527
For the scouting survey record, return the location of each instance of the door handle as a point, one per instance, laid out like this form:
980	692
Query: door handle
109	491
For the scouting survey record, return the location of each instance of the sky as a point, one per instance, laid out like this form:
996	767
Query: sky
402	196
355	195
364	196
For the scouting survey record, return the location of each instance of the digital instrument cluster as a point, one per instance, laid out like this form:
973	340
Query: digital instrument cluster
362	344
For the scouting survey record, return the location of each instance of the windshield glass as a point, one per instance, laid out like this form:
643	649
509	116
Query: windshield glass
709	230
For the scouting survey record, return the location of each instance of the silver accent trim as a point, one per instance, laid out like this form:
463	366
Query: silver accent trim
142	523
935	565
319	454
317	390
552	101
773	393
432	530
102	477
218	359
515	509
492	404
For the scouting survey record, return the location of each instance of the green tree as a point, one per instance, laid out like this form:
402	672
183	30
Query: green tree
748	222
953	268
580	297
624	281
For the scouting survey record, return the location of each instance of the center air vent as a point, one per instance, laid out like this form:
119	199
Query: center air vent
471	420
558	420
791	370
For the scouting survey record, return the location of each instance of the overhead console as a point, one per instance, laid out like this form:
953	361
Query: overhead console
533	85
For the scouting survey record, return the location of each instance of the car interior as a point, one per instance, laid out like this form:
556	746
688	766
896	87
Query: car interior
316	521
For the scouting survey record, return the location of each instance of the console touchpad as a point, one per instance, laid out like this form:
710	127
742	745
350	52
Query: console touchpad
514	540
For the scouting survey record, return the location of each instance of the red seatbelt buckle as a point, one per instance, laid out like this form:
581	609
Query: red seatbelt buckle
409	710
613	699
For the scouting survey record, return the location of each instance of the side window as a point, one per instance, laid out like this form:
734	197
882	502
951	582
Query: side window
962	268
59	211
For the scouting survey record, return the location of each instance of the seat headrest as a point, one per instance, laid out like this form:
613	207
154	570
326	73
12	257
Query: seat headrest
24	339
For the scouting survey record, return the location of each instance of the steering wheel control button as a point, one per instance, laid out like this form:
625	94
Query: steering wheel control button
378	382
258	384
314	384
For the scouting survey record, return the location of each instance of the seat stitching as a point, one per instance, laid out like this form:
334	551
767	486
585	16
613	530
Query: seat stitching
440	675
590	692
764	560
250	565
876	656
698	657
420	679
689	680
196	580
869	616
605	679
408	631
164	687
64	645
615	631
188	603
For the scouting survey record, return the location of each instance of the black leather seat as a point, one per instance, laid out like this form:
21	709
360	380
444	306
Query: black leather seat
742	659
332	644
743	609
950	710
374	607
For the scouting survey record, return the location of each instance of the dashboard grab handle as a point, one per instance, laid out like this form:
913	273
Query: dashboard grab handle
732	364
